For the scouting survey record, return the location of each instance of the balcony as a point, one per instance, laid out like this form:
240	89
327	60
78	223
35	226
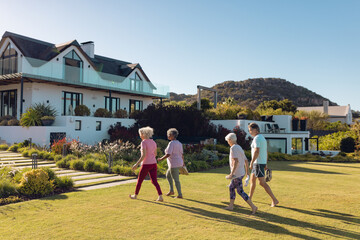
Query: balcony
85	76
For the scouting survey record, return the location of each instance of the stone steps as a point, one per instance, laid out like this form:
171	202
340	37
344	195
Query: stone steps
82	180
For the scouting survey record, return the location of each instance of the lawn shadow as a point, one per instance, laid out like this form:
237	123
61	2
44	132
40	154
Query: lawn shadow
331	165
322	229
289	166
247	221
281	166
348	218
54	197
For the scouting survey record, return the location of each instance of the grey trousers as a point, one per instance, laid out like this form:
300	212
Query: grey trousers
173	173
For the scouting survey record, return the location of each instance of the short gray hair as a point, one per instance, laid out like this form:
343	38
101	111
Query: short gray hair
173	132
231	137
147	132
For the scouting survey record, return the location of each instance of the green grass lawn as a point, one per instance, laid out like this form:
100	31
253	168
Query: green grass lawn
317	201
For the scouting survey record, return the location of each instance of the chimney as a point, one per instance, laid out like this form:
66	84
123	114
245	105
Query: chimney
326	107
89	48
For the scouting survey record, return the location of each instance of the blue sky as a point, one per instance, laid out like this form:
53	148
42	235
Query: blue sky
182	44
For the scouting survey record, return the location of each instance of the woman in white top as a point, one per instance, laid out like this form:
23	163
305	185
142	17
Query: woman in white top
238	166
175	160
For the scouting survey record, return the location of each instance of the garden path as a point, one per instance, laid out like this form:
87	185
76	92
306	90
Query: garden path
82	180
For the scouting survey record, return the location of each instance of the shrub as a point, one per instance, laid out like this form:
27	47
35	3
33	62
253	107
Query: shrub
347	145
70	157
77	164
121	113
102	112
57	146
13	148
4	122
46	155
51	173
7	188
189	121
4	147
195	166
82	110
222	148
64	183
101	167
13	122
332	141
57	158
11	199
221	162
25	153
123	170
63	163
30	118
118	132
21	150
104	168
242	140
34	151
89	165
17	175
162	144
36	183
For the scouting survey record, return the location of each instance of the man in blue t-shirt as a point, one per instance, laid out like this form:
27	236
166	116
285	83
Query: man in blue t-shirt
258	162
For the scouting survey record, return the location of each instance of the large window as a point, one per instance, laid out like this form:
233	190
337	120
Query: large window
73	67
276	145
70	101
297	145
8	103
135	105
113	102
9	60
136	84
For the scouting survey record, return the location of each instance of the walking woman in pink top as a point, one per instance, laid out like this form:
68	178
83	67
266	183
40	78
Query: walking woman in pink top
148	159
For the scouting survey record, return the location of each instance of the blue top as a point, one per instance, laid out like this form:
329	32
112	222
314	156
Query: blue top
259	142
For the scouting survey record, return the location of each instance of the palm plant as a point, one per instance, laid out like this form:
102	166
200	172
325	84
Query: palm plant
30	118
44	110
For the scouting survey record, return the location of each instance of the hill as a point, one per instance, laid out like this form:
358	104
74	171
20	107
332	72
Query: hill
252	92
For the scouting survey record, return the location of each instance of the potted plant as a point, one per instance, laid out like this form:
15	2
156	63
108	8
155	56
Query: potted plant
47	120
120	114
82	110
303	121
295	124
102	112
46	112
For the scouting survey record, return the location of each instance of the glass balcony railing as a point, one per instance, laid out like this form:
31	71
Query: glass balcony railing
87	76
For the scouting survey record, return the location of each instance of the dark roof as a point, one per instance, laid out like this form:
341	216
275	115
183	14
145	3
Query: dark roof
45	51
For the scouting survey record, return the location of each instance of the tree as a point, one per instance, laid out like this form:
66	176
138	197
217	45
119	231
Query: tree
285	105
189	121
205	104
315	120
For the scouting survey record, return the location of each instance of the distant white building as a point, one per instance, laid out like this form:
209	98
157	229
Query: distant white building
335	113
279	134
65	76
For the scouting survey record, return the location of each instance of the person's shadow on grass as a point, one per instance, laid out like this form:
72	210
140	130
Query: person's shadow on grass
323	229
244	220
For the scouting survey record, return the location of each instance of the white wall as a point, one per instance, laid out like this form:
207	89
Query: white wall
41	135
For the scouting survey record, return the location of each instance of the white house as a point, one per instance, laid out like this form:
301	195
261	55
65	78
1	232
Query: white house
278	134
65	76
335	113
